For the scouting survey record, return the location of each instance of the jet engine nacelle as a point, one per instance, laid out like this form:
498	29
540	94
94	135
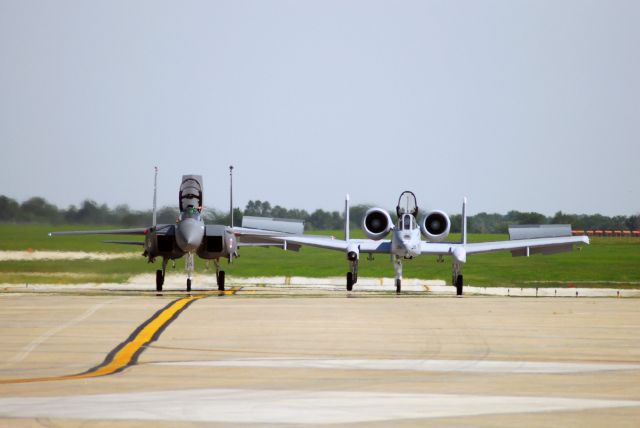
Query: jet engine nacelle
376	223
218	242
161	242
435	226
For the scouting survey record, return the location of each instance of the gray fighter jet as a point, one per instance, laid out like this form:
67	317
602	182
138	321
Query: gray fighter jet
406	241
190	235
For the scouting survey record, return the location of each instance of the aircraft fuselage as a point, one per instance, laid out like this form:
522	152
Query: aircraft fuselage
190	231
405	238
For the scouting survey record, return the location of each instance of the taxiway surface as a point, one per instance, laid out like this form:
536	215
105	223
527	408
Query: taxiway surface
286	357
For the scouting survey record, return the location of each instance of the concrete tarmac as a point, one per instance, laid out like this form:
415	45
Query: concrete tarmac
256	357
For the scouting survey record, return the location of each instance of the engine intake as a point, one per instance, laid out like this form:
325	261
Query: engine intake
435	226
376	223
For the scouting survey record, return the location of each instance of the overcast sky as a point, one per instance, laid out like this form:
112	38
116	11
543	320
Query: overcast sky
527	105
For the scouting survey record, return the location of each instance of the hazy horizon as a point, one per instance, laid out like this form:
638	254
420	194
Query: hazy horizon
222	209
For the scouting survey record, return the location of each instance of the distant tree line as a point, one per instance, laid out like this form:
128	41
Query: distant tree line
38	210
498	223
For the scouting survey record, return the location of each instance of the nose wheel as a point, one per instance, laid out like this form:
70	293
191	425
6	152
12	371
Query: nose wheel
397	265
189	268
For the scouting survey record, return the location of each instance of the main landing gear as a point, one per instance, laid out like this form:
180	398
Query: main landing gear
459	285
352	275
160	274
219	275
159	280
456	279
351	279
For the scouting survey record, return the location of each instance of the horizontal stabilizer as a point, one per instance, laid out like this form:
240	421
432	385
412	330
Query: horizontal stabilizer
531	231
274	224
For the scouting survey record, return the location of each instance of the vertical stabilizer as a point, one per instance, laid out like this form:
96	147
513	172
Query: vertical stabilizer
463	226
231	194
346	217
155	196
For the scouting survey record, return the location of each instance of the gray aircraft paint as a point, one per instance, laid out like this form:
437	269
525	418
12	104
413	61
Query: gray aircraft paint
190	236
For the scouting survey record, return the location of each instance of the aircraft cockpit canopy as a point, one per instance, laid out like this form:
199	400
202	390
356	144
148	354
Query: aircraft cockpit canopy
190	192
407	222
407	204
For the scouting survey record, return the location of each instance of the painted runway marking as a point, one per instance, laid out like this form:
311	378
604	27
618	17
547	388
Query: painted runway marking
128	351
468	366
285	406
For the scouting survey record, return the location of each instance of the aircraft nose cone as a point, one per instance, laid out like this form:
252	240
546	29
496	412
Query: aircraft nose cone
189	235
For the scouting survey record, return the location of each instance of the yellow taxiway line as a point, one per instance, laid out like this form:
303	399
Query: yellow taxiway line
128	351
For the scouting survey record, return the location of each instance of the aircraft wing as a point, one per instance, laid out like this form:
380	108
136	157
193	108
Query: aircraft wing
438	248
364	245
518	247
371	246
161	229
268	238
124	242
248	240
137	231
318	241
326	242
288	234
282	225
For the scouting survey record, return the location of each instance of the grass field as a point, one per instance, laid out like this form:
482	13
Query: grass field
606	262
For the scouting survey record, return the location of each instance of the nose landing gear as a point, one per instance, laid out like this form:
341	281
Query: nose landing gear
189	268
397	264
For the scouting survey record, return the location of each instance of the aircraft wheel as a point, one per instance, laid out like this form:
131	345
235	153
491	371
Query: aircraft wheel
159	280
221	281
398	286
459	283
188	284
350	281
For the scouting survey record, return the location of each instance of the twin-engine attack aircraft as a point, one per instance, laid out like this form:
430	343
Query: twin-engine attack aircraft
190	235
406	243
